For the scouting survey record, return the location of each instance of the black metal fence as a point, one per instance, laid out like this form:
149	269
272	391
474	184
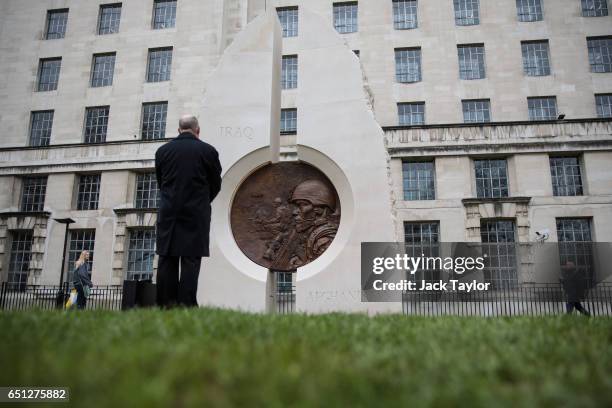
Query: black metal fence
22	297
284	299
524	299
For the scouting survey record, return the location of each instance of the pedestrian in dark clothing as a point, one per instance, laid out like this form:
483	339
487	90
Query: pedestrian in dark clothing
189	178
81	279
575	286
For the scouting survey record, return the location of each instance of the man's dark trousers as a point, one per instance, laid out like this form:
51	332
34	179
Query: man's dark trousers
172	291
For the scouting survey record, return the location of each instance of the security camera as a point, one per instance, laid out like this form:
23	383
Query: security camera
542	235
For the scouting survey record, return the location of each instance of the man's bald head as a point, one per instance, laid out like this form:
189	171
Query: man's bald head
189	123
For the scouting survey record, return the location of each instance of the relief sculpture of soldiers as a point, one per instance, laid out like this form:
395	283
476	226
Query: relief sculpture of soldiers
285	215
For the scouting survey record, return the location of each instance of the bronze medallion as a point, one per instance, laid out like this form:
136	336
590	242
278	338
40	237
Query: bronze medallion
285	215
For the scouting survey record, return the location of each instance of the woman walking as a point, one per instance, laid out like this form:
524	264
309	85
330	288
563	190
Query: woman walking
81	280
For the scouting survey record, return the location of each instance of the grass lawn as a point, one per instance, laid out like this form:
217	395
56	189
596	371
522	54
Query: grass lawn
210	357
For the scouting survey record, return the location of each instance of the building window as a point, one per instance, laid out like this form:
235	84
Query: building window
288	120
498	243
89	192
103	69
529	10
466	12
345	17
147	192
536	60
33	193
565	172
284	282
423	239
542	108
476	111
575	245
159	65
164	13
80	240
471	61
154	120
141	252
418	180
40	128
600	54
408	64
289	74
594	8
491	178
405	14
604	105
412	113
48	74
19	261
288	17
56	24
110	18
96	124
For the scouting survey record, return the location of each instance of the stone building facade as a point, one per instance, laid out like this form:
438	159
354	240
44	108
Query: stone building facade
494	117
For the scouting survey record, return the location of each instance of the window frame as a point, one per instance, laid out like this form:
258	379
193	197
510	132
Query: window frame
88	243
40	194
163	75
294	119
146	194
490	190
468	75
594	12
108	6
606	65
85	136
405	24
291	29
142	120
47	140
428	194
103	81
503	276
287	79
427	243
88	200
412	114
39	77
24	257
173	14
466	21
48	21
486	118
406	57
541	99
537	5
142	250
532	56
346	28
603	111
566	189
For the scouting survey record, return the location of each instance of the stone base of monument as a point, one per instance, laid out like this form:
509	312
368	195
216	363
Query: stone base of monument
302	215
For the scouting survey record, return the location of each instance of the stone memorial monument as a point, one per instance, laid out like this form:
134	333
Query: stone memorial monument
305	208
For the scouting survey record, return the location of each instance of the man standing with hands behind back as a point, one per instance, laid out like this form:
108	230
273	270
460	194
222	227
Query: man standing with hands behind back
189	178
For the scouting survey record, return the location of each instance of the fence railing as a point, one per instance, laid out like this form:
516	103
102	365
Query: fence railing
21	297
524	299
284	299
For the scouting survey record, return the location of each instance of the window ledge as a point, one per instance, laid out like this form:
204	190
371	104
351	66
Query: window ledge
123	211
515	200
6	214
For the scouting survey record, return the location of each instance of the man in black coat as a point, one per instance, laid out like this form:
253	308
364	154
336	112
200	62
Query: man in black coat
189	178
575	286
